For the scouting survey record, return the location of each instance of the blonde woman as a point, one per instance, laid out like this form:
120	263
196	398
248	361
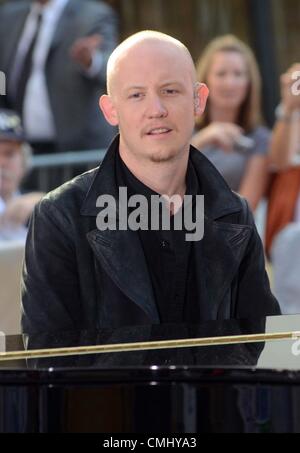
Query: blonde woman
230	133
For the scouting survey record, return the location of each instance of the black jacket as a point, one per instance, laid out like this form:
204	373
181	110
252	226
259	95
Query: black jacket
76	276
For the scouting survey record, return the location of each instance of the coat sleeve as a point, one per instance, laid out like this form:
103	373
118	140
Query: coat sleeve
102	20
254	296
50	288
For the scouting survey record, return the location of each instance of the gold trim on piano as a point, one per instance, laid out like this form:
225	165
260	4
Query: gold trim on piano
147	345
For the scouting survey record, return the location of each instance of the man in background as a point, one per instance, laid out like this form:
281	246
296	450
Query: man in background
54	55
15	154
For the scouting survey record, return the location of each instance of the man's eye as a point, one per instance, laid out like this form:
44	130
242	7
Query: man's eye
136	96
170	91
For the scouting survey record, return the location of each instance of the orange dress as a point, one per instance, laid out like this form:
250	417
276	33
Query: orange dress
283	195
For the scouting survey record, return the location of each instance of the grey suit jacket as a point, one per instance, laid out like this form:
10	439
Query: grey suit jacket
73	94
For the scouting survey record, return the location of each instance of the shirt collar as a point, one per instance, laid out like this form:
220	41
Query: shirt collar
135	186
127	179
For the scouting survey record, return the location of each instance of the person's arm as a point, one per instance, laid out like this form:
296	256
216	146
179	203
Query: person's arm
255	180
92	51
222	135
279	157
50	287
282	150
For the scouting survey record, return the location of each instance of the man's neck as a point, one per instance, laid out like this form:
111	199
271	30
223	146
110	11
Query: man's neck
165	178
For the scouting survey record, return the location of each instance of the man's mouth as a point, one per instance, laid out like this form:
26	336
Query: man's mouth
159	131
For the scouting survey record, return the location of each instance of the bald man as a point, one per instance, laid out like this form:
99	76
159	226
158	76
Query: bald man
131	242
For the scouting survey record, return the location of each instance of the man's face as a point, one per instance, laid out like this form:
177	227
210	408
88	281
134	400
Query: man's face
153	99
11	167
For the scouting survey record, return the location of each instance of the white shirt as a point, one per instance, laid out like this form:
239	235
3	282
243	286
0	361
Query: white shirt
38	116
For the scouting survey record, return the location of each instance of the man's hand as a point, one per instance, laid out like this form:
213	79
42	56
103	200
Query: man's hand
83	49
19	209
290	100
221	135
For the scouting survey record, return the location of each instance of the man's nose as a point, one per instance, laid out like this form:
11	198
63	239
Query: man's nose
156	108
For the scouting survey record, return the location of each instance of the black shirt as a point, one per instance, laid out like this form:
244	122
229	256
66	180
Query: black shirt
170	258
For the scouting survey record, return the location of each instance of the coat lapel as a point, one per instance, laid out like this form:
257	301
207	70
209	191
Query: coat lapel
223	247
121	255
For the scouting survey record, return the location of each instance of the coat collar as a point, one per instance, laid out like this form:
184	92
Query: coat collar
104	182
220	252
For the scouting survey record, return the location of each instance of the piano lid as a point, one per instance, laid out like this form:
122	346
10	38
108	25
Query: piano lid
278	351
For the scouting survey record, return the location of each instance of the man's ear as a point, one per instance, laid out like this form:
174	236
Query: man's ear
200	98
108	109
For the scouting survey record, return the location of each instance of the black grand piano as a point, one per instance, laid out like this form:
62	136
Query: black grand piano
248	382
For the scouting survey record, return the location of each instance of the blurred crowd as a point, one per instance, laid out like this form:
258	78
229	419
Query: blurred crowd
54	54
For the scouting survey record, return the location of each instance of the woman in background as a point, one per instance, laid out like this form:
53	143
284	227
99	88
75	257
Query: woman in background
230	133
